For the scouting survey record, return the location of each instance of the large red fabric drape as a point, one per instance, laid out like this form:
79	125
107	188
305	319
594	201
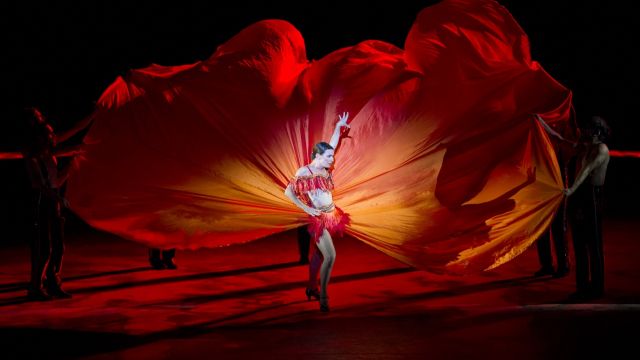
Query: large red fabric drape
445	168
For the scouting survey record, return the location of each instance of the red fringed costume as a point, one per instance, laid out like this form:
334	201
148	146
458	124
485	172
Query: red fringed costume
332	217
303	184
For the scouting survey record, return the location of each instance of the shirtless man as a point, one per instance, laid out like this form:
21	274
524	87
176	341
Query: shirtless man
586	208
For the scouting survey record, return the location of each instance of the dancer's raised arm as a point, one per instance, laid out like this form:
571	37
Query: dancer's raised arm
552	132
342	122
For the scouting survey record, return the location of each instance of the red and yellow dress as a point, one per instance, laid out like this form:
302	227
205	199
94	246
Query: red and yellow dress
331	217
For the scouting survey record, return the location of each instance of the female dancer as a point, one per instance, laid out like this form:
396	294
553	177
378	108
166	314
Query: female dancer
310	190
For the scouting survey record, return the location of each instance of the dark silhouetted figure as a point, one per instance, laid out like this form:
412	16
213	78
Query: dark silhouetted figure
47	232
303	244
586	204
162	258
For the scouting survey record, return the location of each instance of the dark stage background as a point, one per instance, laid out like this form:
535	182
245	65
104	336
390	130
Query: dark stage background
60	56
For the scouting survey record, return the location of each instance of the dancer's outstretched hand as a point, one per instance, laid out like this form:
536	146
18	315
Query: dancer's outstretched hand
342	120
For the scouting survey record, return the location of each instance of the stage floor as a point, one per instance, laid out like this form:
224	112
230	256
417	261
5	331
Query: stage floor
247	301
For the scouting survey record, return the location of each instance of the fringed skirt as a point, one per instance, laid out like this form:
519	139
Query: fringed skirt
331	218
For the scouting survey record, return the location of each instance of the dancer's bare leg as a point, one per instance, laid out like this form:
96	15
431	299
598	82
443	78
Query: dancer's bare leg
325	245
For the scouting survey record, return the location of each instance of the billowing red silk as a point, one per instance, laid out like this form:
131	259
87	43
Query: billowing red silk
444	167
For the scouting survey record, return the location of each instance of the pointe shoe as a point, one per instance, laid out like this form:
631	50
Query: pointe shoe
312	293
324	304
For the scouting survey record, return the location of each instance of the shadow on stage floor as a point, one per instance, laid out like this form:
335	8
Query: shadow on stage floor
247	301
